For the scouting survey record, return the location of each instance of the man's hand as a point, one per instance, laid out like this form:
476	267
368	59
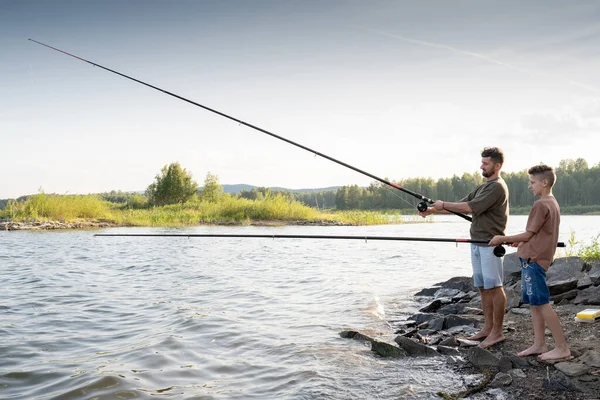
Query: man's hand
429	211
497	240
438	205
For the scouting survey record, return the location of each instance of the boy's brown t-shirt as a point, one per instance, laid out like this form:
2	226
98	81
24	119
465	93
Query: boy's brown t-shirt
543	221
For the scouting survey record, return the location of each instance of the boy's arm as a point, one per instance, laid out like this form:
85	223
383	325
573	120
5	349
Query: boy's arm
521	237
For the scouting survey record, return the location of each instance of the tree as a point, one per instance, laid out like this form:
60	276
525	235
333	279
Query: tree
172	185
212	190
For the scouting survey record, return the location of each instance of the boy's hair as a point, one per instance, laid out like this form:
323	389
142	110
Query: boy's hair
494	153
545	172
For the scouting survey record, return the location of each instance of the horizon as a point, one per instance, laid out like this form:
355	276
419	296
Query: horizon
399	89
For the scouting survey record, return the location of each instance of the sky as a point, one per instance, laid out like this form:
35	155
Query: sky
399	89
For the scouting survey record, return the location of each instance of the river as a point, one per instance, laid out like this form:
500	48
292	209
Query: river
84	317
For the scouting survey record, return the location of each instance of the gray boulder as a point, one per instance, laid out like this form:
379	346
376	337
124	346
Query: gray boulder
564	274
387	350
512	268
414	349
482	358
589	296
462	283
594	272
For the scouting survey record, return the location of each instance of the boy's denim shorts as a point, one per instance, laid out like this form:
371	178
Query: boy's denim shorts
533	284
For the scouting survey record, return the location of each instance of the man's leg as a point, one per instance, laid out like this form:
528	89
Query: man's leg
499	308
487	305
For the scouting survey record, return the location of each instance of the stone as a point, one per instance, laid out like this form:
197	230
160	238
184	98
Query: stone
447	350
501	379
557	381
505	364
432	307
518	362
521	311
462	329
570	295
513	296
517	374
414	349
449	342
594	272
436	324
584	282
512	268
447	293
572	369
456	308
589	296
558	287
387	350
591	358
355	335
461	297
425	333
462	283
420	318
467	342
455	320
427	292
563	275
482	358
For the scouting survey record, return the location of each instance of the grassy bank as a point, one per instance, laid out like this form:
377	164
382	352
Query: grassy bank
227	210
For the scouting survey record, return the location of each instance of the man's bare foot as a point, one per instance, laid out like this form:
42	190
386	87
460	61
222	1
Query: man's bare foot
556	354
479	335
533	351
491	340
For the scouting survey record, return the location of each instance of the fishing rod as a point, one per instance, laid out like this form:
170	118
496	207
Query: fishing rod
499	250
422	206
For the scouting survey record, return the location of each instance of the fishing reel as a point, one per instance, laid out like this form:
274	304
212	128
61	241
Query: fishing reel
422	206
499	251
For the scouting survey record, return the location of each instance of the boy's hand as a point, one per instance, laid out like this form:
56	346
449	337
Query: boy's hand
515	244
497	240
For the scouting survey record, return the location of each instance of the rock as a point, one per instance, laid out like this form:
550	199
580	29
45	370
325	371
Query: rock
505	364
447	350
387	350
456	308
521	311
436	324
445	292
517	374
454	320
587	378
432	307
501	379
462	329
564	274
467	343
591	358
572	369
594	272
473	311
589	296
449	342
355	335
461	297
462	283
414	349
420	318
584	282
518	362
512	268
513	296
557	381
482	358
570	295
427	292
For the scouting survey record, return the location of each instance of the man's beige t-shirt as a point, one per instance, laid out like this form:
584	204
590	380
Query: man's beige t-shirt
544	222
489	202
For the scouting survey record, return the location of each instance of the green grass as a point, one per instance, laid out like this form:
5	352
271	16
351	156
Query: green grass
227	210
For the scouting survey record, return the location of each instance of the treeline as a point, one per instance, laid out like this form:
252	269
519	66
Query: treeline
577	186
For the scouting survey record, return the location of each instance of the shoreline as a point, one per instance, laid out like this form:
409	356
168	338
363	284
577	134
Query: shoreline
450	311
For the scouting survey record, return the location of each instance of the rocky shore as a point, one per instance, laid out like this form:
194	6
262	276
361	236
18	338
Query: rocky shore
450	311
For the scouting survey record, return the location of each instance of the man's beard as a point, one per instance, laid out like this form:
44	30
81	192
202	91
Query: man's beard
486	173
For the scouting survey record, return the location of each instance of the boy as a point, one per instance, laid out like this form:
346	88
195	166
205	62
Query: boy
536	248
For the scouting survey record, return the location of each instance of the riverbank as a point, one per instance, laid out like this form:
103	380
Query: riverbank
451	311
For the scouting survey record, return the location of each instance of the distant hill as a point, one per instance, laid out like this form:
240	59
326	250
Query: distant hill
234	189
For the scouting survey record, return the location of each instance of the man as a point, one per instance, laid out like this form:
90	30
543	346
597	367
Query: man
488	203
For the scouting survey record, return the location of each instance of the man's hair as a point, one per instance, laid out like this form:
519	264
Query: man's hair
545	172
494	153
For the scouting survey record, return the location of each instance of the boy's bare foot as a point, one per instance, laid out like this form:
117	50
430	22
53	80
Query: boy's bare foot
479	335
533	351
556	354
491	340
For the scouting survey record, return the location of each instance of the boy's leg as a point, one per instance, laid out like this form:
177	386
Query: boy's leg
561	349
491	267
539	334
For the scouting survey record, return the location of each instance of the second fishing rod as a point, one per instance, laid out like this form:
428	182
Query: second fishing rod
422	206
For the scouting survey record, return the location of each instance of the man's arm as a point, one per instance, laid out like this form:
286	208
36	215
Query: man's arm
449	206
